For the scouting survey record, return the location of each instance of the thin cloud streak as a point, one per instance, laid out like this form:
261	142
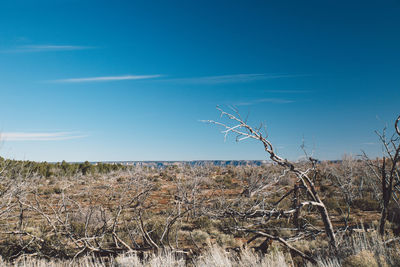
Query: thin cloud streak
234	78
33	136
266	100
289	91
106	78
206	80
46	48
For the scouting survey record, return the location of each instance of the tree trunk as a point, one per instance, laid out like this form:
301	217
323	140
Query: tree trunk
385	199
295	205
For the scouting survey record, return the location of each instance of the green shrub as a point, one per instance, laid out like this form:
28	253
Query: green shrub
224	240
200	237
78	228
225	181
203	223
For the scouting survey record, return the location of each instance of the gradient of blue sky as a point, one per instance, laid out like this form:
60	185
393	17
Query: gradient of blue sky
130	80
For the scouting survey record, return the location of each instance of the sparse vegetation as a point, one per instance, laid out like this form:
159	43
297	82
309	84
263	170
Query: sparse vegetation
141	210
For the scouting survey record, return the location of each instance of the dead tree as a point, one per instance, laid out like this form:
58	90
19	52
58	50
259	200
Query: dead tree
346	179
236	125
386	171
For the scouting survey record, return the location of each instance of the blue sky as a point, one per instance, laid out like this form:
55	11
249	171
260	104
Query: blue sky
131	80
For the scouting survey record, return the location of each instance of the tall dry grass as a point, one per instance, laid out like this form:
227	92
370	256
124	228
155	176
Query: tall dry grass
363	250
215	256
359	250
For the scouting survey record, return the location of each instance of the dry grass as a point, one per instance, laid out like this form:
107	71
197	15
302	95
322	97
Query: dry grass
60	214
361	250
215	256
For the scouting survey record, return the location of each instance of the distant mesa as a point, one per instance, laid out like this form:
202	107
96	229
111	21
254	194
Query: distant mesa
162	164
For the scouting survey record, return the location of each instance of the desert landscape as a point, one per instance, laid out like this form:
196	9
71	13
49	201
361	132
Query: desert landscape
153	133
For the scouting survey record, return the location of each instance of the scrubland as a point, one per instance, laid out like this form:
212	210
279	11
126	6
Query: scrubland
194	216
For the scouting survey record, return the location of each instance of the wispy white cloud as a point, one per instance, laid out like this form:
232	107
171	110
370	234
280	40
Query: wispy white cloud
288	91
265	100
45	48
233	78
43	136
106	78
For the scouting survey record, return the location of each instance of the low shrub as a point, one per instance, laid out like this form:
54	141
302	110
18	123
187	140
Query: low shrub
365	258
366	204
